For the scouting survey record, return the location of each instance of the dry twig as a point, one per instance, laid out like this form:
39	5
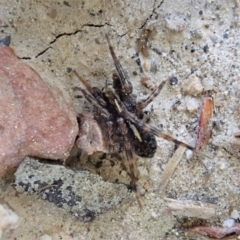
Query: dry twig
189	208
170	168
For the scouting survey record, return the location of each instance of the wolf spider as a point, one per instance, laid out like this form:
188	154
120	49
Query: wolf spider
121	118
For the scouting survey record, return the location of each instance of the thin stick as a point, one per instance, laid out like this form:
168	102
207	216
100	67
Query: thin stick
170	168
45	187
189	208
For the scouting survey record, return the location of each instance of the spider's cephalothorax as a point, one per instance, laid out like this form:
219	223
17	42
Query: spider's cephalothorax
143	143
121	118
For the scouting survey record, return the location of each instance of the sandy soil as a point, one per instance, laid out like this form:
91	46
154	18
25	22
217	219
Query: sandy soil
189	39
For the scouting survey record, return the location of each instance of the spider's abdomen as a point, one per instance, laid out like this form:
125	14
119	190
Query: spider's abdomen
147	147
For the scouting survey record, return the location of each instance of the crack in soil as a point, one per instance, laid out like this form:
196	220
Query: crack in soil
63	35
95	26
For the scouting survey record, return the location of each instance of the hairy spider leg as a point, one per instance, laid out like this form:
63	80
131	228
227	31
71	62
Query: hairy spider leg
129	154
148	128
109	134
95	92
83	81
94	102
125	83
142	104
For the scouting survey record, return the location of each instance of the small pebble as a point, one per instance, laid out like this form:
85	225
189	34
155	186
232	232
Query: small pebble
175	22
142	171
196	33
45	237
214	38
154	215
155	66
141	190
147	65
235	214
229	223
148	82
206	48
193	86
192	104
189	154
123	173
223	165
173	81
8	219
155	168
207	84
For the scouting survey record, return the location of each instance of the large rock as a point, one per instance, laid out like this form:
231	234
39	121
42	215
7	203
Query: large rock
81	193
32	121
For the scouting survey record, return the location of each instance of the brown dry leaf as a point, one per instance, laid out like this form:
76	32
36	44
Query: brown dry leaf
204	131
218	232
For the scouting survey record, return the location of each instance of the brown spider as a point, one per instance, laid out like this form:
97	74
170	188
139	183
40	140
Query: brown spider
121	119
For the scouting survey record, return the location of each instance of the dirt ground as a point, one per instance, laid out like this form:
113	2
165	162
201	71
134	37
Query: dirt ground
189	40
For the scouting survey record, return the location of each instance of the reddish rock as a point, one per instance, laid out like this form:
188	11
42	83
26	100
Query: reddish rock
90	136
32	121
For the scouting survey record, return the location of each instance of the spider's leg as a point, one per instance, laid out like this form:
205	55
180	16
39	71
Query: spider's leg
94	102
158	133
142	104
109	135
84	82
129	155
125	83
148	128
95	92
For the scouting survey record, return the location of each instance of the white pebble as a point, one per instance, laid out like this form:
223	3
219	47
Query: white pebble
192	104
223	165
154	215
141	190
8	219
142	171
45	237
155	168
189	154
235	214
207	84
229	223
